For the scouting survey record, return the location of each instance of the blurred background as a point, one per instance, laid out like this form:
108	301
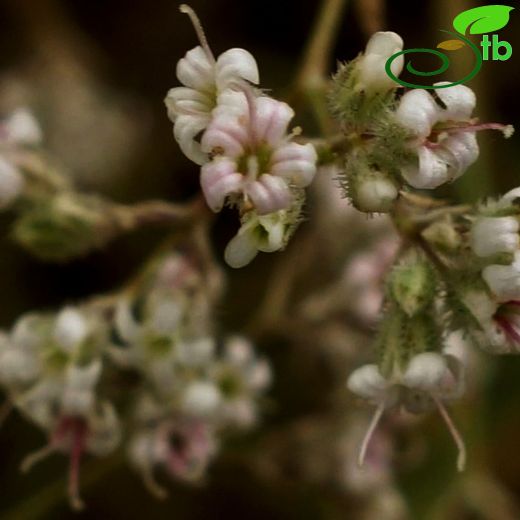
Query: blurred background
95	73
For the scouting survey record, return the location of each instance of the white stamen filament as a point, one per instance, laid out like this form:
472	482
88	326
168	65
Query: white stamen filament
199	31
36	456
152	485
459	442
370	432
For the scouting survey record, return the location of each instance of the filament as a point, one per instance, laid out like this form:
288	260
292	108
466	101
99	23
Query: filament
152	485
36	456
370	433
459	442
199	31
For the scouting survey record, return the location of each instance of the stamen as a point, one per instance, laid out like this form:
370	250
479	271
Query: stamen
370	432
199	31
152	485
251	106
36	456
459	442
78	445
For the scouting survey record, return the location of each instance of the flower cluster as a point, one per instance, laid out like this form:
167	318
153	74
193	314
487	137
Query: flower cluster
416	141
240	138
495	240
64	372
51	367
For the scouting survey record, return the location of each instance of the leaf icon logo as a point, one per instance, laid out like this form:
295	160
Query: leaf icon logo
451	45
482	20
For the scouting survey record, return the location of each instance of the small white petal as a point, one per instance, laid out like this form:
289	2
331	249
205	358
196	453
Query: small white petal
269	194
425	372
431	172
460	102
296	163
510	197
417	112
503	280
367	382
201	399
459	151
273	237
195	70
272	119
70	329
234	65
241	250
185	130
490	236
219	179
187	101
371	66
226	135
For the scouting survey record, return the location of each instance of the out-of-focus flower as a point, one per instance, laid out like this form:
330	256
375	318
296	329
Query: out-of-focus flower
428	380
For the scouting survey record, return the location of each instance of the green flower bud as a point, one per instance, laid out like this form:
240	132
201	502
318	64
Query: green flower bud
412	285
66	226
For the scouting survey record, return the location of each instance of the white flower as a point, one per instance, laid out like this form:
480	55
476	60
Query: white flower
375	194
504	280
11	183
492	235
429	379
253	156
370	68
181	446
190	107
259	233
445	142
241	378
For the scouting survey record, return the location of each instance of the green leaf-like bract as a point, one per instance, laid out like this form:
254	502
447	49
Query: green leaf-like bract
482	20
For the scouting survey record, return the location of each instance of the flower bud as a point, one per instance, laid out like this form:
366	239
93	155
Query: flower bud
412	286
374	193
371	71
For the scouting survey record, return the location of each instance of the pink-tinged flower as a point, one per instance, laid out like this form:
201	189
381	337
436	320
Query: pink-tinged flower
181	446
98	434
203	78
445	139
252	154
428	380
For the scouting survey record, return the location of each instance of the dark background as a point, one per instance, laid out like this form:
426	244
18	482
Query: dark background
96	73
